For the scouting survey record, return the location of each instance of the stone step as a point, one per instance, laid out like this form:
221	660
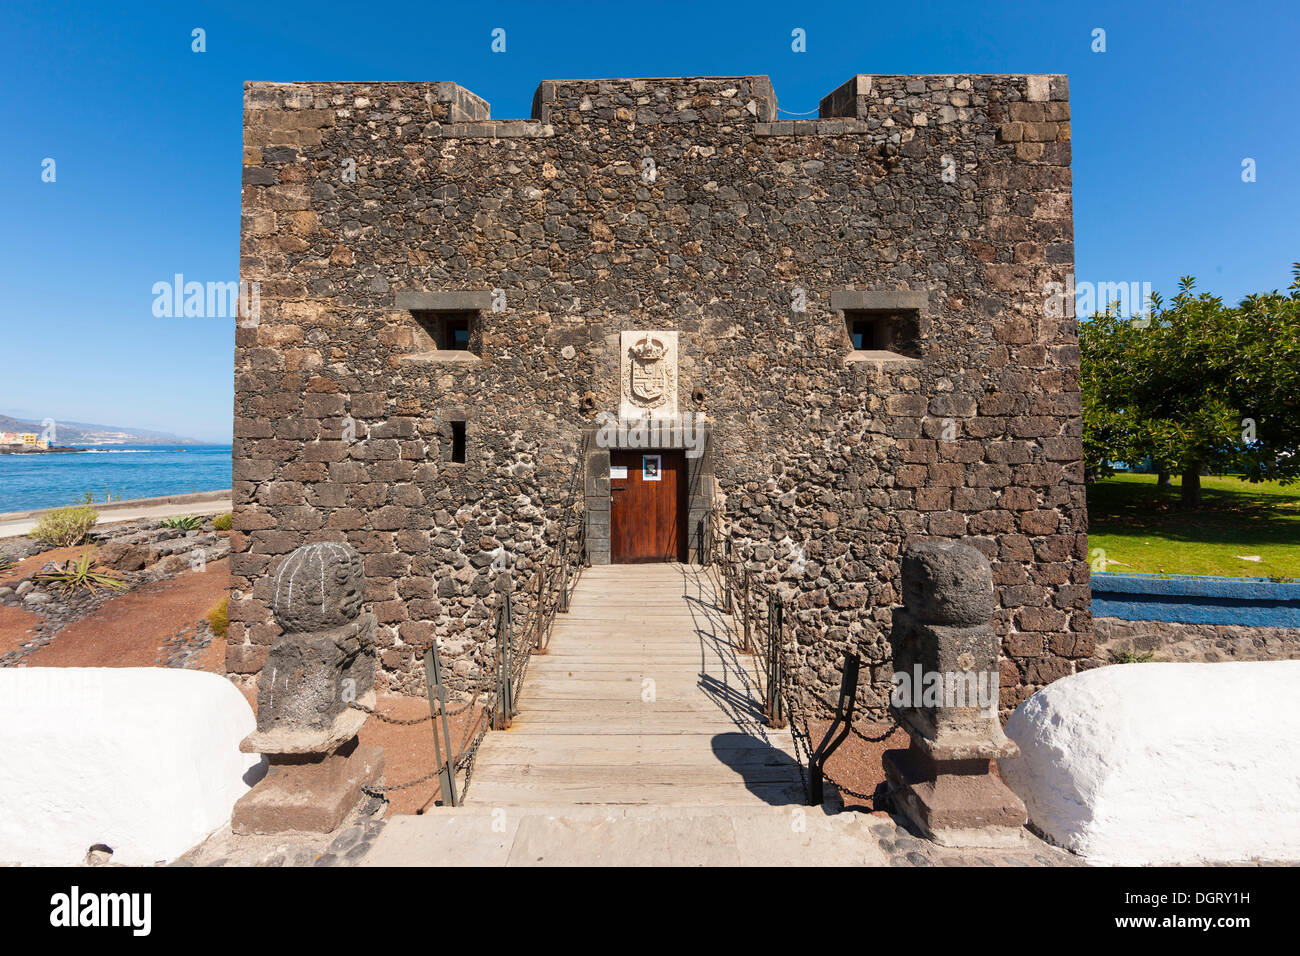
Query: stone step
638	835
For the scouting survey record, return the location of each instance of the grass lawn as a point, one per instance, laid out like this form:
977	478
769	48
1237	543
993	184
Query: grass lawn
1143	528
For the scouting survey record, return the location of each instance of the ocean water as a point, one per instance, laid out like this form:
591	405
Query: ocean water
119	471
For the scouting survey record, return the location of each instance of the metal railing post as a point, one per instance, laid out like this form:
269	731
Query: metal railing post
507	699
836	732
541	609
563	606
438	693
728	607
745	615
775	673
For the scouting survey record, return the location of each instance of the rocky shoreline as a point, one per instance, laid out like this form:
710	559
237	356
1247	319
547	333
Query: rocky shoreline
138	552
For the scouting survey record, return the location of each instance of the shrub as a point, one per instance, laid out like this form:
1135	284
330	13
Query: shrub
1133	657
219	616
64	527
6	562
183	523
80	575
223	522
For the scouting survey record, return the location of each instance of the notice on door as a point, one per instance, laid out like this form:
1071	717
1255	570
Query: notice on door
649	467
618	471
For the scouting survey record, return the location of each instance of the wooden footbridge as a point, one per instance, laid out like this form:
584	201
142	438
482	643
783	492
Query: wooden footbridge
643	698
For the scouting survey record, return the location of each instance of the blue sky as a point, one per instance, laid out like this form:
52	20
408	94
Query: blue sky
146	138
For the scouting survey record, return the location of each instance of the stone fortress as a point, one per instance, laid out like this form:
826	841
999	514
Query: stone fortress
826	339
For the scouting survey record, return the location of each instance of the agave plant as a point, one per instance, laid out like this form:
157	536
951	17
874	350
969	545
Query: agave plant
183	523
80	575
6	562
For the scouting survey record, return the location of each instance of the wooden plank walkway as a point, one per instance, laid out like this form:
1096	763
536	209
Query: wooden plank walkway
643	700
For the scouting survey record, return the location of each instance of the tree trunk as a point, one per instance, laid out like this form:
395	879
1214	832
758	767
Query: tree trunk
1162	479
1191	489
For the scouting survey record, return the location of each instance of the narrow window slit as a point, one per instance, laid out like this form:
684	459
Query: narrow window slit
458	442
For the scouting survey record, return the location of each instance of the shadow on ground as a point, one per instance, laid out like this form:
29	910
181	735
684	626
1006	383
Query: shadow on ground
768	773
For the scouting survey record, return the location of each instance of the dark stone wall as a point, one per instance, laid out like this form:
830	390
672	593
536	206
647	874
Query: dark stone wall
956	188
1191	643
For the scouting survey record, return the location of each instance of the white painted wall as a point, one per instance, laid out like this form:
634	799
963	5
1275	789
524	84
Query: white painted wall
145	760
1164	763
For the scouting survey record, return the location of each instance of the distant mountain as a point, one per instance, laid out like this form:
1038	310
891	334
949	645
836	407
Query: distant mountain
81	433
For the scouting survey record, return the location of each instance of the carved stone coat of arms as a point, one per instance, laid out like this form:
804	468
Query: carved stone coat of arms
649	374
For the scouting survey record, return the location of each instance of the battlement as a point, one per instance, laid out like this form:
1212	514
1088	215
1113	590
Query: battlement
864	103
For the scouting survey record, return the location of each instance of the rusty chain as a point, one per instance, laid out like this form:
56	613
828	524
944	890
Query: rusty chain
378	790
413	721
874	740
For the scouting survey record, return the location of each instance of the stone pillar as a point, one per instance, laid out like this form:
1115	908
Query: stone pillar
946	698
305	726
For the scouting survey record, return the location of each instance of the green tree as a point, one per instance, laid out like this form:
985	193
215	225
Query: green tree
1194	387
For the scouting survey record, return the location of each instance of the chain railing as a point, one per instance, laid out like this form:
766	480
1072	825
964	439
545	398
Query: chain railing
556	578
497	691
785	701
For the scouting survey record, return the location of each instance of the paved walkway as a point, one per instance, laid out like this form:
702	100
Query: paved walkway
624	836
15	523
642	700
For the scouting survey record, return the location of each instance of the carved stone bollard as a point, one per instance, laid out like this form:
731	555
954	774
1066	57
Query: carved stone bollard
324	660
946	698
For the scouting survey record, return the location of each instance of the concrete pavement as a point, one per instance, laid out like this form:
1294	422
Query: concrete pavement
15	523
630	836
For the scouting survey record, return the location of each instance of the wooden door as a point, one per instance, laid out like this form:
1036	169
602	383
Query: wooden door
647	520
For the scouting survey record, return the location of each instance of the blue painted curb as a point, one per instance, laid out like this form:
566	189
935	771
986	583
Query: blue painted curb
1195	599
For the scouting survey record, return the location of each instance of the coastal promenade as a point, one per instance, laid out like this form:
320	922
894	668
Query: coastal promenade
14	523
